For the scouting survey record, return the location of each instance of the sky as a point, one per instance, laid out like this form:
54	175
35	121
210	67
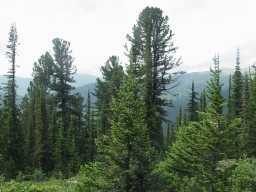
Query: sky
97	29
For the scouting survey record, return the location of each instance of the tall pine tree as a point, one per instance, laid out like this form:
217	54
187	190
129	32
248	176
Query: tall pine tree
15	150
62	85
152	57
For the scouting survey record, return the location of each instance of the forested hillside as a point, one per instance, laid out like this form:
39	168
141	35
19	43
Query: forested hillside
142	127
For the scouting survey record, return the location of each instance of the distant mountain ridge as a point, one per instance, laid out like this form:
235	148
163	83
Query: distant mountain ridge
179	94
182	91
23	82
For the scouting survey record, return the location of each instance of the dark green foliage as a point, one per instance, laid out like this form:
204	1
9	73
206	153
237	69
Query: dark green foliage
192	162
93	177
51	146
55	132
179	118
203	101
244	176
14	133
193	107
62	85
91	129
106	90
129	150
182	168
251	116
152	57
246	116
35	117
42	73
229	100
236	89
214	88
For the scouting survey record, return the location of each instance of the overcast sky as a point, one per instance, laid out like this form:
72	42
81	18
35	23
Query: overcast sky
98	28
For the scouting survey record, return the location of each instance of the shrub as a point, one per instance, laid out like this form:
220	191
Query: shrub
244	176
93	178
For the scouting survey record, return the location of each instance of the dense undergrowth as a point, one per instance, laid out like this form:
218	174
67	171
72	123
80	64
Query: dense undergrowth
90	178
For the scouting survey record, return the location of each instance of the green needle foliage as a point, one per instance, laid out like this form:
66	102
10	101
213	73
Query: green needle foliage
130	146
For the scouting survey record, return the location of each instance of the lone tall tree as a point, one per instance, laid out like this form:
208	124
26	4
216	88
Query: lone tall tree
15	150
214	88
236	90
193	104
152	57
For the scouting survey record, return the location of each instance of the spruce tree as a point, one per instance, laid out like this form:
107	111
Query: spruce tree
214	89
252	116
15	150
229	100
237	87
246	98
3	137
193	107
246	114
129	151
229	132
192	162
106	90
203	101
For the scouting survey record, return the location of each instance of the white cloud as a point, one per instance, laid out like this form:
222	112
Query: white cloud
97	29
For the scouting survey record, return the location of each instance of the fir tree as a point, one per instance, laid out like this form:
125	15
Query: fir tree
229	100
214	89
246	114
193	104
15	150
130	145
236	90
192	162
106	90
203	102
252	116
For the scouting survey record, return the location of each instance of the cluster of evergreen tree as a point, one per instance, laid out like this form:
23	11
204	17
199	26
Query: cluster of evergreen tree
120	138
50	129
215	141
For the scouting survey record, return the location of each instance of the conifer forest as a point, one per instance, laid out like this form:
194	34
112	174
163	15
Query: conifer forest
118	136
